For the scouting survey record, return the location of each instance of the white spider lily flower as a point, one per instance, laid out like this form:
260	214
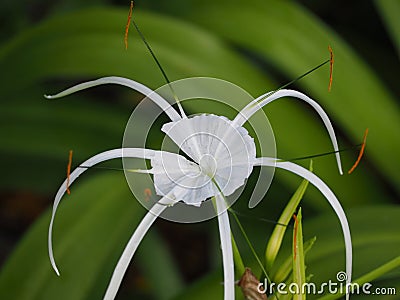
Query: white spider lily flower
222	156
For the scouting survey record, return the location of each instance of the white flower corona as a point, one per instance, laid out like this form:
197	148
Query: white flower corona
222	154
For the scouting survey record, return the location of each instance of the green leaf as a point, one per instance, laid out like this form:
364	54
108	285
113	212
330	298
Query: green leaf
378	272
92	46
375	241
299	270
159	267
91	228
358	284
40	132
390	10
208	287
73	51
276	238
287	36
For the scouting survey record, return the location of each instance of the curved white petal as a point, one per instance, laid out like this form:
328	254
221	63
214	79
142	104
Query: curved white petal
134	242
267	98
226	247
152	95
329	195
111	154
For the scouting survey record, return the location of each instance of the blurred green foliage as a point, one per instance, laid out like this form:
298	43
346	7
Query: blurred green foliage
259	45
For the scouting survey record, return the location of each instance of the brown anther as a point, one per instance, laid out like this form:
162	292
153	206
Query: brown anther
69	170
360	154
128	24
331	62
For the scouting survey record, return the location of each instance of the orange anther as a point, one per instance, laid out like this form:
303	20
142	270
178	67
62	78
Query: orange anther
128	24
69	170
331	61
361	152
296	225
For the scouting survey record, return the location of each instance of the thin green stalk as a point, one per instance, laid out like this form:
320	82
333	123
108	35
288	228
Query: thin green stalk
249	244
239	265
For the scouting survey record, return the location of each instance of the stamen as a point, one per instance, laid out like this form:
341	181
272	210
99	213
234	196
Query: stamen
159	67
245	215
249	243
69	170
302	76
128	24
296	225
331	61
360	154
321	154
117	169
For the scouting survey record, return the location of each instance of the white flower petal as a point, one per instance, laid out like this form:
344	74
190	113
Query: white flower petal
157	99
226	247
134	242
267	98
171	170
111	154
223	151
329	195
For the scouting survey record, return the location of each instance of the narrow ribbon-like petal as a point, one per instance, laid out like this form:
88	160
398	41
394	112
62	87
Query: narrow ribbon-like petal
111	154
134	242
152	95
226	246
267	98
329	195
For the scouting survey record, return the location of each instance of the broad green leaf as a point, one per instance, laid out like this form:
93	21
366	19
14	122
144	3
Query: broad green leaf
375	240
390	10
285	35
365	280
91	228
92	46
159	267
40	132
